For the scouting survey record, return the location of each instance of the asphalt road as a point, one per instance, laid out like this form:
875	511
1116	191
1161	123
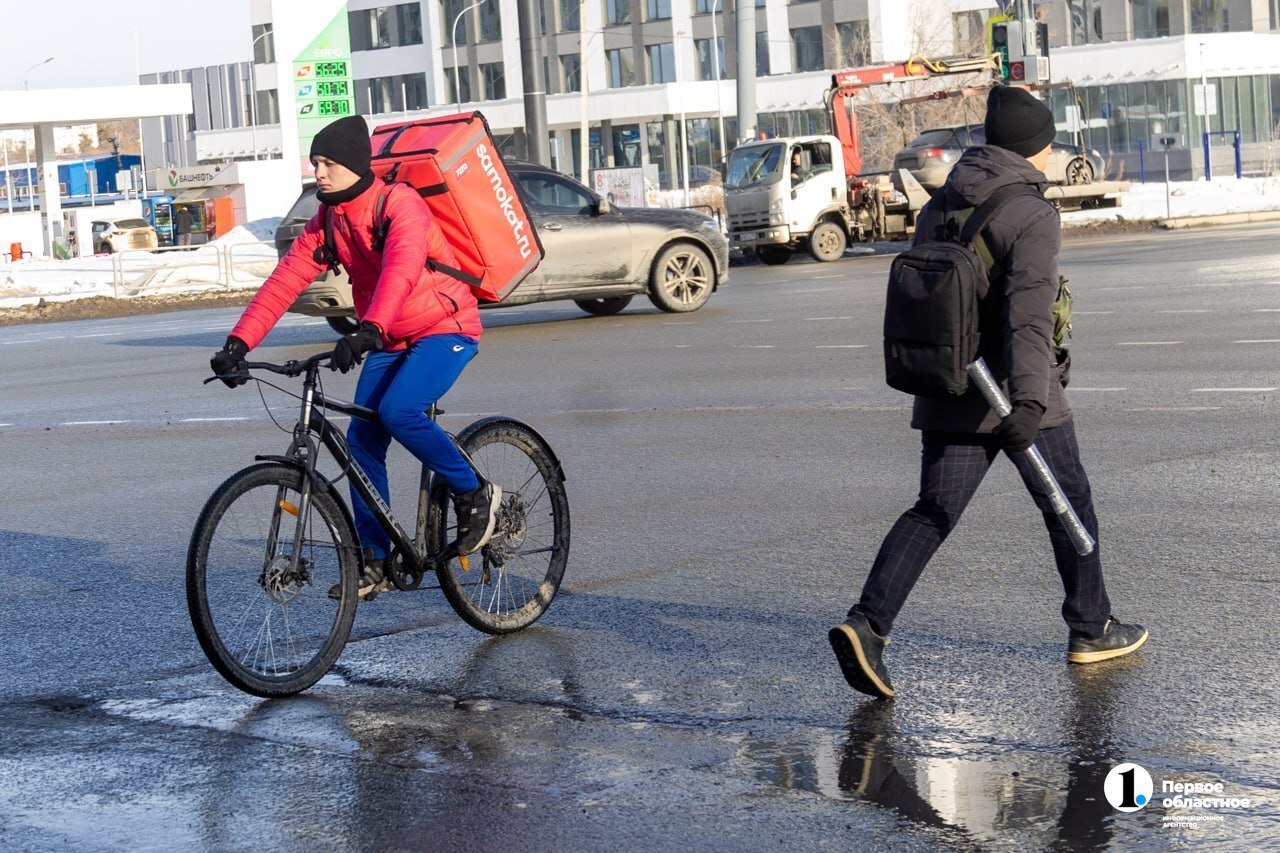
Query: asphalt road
731	474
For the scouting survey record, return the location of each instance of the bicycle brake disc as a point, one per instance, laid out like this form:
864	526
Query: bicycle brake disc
402	575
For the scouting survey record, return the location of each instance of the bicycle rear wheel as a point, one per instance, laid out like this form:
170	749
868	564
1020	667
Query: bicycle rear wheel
265	620
510	582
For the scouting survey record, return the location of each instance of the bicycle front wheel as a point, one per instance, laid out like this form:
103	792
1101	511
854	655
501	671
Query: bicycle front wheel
511	581
260	606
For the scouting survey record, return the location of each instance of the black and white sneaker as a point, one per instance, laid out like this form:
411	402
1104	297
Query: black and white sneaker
858	650
373	580
1117	640
477	515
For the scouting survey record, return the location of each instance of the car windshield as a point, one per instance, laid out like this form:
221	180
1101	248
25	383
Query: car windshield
750	167
303	209
934	139
132	223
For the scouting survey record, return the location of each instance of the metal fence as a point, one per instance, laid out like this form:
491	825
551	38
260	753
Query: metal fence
226	267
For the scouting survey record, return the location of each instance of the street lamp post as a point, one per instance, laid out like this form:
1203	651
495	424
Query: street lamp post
715	62
457	87
34	67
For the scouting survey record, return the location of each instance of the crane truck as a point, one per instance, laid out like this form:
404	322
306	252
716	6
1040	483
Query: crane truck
791	193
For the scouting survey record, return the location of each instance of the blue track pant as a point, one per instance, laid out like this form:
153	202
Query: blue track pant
400	387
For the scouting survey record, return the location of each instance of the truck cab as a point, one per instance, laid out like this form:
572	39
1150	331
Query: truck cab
779	191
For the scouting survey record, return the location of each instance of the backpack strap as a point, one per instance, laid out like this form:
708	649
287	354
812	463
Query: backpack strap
327	252
382	224
975	224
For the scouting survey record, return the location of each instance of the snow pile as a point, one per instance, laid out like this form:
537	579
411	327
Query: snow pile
1186	198
27	281
257	231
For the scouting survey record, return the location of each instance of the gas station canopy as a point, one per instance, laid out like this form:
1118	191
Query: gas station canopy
44	109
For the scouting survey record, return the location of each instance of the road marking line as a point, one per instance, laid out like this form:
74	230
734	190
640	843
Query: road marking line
26	341
208	420
731	322
1148	343
837	318
1232	390
1098	389
101	335
91	423
753	346
1266	310
841	346
1177	409
5	425
683	346
680	323
1260	341
837	275
1186	311
814	290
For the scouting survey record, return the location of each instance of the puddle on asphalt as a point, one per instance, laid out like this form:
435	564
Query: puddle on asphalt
983	794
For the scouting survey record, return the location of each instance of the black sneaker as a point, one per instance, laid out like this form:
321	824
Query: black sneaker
1117	639
372	580
477	514
858	649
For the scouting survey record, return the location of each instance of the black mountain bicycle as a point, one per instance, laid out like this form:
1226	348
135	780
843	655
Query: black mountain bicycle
277	535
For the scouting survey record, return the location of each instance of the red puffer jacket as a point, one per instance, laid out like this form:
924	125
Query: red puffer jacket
392	289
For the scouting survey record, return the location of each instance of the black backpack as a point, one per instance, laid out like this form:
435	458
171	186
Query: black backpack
931	309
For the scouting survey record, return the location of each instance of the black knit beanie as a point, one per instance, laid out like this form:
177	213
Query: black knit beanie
345	141
1017	121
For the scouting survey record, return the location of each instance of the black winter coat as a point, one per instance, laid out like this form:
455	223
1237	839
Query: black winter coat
1016	314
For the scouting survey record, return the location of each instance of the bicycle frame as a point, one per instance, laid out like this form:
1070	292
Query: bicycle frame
302	451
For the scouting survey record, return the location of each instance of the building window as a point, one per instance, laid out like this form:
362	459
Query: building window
808	48
409	23
703	7
392	94
370	28
709	63
970	31
459	84
853	43
570	68
1086	21
617	11
569	16
493	79
1211	16
622	67
381	99
657	10
264	44
490	21
762	54
662	63
268	106
414	91
451	24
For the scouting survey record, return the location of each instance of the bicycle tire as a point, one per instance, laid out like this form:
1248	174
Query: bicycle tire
521	568
227	547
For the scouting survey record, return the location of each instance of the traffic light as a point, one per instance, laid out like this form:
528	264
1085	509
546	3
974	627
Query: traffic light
998	44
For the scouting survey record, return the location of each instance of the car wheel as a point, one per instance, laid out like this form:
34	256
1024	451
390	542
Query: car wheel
682	279
343	325
1079	172
107	248
604	306
773	255
827	242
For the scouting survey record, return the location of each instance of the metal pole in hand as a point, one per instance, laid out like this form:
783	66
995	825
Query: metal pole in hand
982	379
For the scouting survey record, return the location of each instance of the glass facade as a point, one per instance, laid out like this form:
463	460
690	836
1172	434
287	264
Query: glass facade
709	63
622	67
807	44
662	63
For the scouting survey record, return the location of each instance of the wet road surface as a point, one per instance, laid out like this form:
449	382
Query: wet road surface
731	474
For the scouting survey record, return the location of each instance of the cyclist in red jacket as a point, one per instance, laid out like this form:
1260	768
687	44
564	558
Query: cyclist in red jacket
418	327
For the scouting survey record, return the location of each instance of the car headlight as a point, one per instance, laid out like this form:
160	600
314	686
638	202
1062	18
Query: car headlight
709	224
775	207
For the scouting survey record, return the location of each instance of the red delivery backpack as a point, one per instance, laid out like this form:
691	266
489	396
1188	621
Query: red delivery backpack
455	166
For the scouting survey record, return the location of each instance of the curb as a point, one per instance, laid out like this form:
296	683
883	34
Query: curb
1220	219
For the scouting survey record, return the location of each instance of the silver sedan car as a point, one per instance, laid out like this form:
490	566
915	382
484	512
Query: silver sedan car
930	156
597	255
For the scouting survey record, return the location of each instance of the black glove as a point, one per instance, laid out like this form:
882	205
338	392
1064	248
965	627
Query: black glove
1018	430
228	362
351	348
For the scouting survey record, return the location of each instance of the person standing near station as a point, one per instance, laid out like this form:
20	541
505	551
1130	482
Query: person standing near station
962	435
183	223
418	327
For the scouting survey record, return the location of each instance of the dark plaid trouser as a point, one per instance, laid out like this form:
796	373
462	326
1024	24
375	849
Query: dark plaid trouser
952	466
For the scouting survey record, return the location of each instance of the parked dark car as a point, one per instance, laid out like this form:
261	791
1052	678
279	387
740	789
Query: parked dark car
597	255
930	156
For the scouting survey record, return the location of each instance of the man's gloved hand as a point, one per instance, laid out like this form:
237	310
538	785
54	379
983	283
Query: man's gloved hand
1018	430
229	360
351	348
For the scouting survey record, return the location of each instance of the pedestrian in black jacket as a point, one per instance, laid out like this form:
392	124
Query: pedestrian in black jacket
962	435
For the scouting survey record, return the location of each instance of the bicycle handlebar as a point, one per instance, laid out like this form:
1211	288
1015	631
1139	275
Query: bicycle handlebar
289	368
